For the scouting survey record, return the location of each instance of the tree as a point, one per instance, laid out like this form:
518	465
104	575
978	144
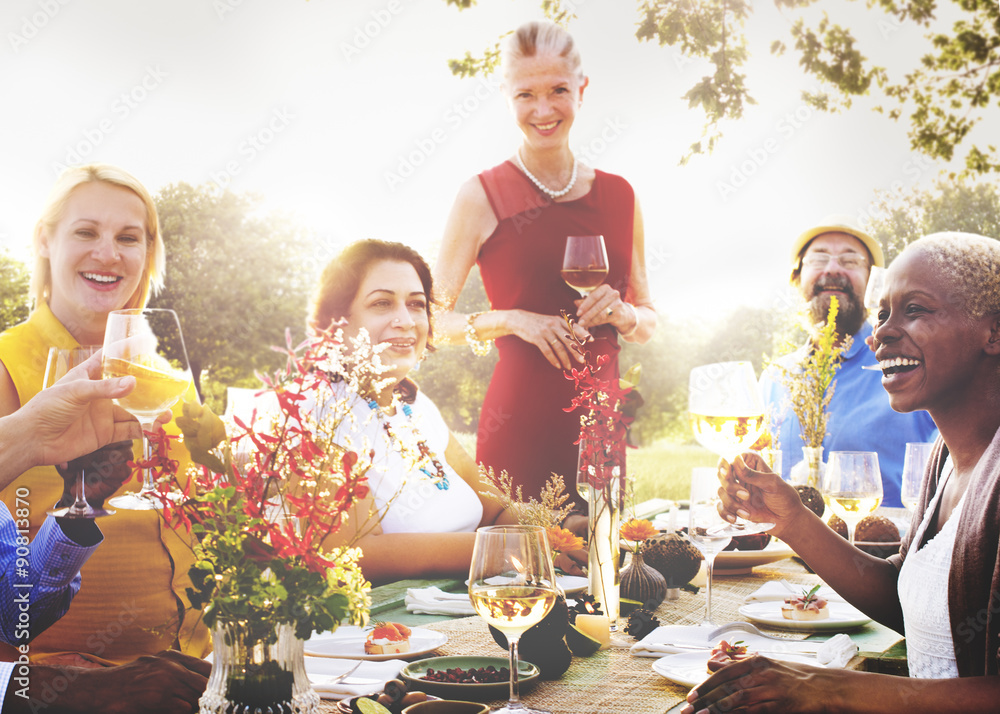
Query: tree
14	300
948	91
964	206
236	279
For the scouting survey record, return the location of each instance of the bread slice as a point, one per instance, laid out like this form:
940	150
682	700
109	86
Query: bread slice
791	612
387	648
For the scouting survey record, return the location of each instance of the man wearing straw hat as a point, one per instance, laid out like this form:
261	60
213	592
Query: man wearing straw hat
835	258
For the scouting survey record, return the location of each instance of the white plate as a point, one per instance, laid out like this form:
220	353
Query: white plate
348	642
570	584
746	559
689	669
842	616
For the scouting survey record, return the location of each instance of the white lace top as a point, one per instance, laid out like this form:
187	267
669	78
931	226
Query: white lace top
923	595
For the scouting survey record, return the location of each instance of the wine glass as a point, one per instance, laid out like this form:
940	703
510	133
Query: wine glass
59	362
727	416
585	263
512	585
873	292
914	463
707	530
146	344
852	486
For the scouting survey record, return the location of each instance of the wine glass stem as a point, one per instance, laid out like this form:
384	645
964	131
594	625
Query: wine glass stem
147	454
850	532
80	504
515	695
709	563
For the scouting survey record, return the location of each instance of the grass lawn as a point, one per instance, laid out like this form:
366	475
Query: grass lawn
662	470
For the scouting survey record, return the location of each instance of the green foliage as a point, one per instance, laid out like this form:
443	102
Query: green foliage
14	300
951	205
236	279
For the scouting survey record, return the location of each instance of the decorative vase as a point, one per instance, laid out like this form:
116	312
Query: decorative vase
602	484
809	471
250	675
643	583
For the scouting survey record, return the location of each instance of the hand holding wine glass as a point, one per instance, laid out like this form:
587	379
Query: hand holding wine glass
727	416
585	263
512	585
852	486
146	344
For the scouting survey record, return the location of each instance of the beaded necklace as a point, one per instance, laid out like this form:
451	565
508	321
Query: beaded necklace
440	478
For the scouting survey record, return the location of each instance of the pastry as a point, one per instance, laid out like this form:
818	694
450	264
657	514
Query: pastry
388	638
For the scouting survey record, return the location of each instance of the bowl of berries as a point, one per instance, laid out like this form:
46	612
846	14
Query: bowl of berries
470	678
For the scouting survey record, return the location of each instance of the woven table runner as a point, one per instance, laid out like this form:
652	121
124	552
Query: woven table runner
613	681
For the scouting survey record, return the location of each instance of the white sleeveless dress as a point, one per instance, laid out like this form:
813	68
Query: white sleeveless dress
923	595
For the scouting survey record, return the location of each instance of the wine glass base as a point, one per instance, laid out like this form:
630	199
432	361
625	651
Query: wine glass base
740	528
72	513
136	502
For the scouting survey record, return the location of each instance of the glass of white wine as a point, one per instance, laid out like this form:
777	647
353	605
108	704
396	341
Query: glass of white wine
146	344
727	416
852	486
914	463
873	292
585	263
59	362
709	532
512	585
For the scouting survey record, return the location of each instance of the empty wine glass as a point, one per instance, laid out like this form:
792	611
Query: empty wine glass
59	362
873	292
146	344
727	416
709	532
512	585
852	486
914	463
585	263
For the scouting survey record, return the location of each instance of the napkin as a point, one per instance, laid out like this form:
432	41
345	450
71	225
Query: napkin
369	677
837	651
672	639
435	601
778	590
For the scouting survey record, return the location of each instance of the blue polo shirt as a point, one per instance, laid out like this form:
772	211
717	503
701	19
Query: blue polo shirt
860	416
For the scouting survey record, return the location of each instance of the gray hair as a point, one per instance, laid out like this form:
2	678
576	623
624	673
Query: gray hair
537	38
970	264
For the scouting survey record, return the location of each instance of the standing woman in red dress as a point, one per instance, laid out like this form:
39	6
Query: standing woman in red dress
513	221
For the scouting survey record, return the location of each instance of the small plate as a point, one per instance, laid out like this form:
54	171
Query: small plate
413	674
689	669
348	642
735	562
842	617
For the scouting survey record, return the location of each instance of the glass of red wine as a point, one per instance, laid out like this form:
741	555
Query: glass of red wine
585	263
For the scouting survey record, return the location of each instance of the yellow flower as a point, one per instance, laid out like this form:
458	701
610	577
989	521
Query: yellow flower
562	540
637	530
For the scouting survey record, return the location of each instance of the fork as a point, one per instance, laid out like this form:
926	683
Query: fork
341	677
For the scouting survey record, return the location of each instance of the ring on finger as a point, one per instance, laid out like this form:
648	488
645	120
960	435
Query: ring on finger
611	311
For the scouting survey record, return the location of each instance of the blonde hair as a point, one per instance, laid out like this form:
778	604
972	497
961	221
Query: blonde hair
55	206
537	38
971	266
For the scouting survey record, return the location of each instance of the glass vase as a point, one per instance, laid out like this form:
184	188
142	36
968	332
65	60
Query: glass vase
250	675
601	484
809	471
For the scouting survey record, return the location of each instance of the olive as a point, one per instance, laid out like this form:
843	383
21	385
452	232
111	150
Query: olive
385	700
396	689
413	698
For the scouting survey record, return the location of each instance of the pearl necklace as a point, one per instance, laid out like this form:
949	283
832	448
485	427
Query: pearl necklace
440	478
542	187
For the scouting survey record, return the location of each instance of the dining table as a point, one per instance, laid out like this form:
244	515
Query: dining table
613	680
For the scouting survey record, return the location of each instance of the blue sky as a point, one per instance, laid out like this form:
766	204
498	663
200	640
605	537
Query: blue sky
344	115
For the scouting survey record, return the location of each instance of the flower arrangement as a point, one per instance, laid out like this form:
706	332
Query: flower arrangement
811	383
636	531
266	497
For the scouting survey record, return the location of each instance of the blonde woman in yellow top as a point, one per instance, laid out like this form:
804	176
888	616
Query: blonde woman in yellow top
97	249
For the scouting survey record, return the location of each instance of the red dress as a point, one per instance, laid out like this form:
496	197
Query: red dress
522	427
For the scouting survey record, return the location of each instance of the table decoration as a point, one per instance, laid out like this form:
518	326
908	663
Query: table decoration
639	581
810	385
259	509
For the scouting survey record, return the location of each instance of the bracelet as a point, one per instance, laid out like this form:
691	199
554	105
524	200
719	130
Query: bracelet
480	348
635	314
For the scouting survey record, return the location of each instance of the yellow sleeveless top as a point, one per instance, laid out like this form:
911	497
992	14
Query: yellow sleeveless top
132	600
